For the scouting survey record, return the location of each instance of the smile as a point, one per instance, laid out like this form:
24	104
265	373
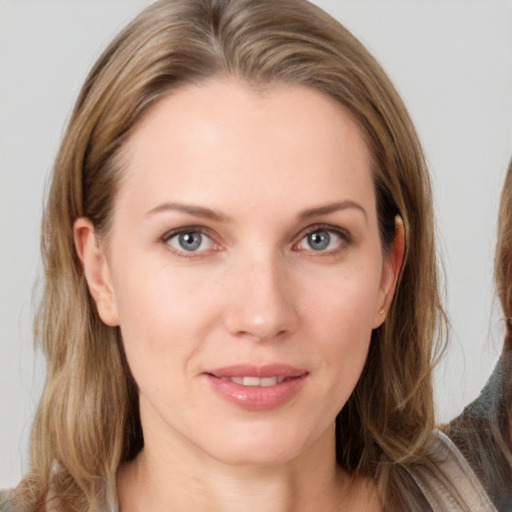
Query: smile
257	388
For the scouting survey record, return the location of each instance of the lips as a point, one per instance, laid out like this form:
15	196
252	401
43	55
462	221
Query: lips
257	388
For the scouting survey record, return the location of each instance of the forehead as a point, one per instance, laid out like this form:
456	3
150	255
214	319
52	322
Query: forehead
281	142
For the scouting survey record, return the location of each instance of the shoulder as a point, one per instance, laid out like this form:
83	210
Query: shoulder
447	481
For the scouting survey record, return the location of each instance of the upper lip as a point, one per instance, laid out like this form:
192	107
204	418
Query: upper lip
248	370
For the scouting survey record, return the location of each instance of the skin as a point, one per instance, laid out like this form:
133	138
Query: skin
268	165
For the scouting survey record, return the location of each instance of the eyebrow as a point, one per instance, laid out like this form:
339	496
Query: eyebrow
207	213
196	211
331	208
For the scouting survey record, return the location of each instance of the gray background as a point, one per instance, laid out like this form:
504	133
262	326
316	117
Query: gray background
450	59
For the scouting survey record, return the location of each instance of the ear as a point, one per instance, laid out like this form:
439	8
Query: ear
390	273
96	270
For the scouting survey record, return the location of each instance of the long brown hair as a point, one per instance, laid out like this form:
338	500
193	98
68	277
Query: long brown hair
87	423
503	256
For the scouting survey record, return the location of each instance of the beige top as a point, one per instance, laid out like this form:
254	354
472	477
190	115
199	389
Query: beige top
453	486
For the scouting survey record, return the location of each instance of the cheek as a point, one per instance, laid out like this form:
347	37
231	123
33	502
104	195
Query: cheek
344	331
339	322
340	317
344	301
163	316
163	323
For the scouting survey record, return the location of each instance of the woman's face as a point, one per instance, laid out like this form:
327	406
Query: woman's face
244	268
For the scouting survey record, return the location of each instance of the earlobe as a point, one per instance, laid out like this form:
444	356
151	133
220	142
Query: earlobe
96	270
390	272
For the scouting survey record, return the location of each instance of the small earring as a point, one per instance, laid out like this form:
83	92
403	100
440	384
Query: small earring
381	312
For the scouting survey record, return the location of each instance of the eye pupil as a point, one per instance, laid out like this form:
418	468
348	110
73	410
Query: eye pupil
319	240
190	241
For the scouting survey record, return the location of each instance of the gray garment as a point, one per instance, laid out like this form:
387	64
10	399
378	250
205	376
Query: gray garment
483	436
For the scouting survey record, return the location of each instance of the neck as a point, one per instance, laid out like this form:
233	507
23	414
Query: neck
178	479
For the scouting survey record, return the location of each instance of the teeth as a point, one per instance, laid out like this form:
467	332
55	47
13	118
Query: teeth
268	381
255	381
251	381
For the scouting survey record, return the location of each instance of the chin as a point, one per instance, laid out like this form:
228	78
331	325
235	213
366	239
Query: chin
260	448
266	457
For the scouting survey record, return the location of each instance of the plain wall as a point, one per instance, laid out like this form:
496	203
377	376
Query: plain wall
451	61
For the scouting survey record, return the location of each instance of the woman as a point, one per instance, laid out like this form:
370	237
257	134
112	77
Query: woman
483	432
240	294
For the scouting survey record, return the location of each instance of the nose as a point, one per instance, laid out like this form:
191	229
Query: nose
262	304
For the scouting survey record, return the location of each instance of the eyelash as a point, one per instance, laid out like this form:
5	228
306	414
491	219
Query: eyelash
346	240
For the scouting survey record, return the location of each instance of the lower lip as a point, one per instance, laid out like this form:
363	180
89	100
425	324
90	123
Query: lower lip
257	398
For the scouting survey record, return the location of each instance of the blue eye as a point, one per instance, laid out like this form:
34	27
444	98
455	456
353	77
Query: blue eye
321	240
190	241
